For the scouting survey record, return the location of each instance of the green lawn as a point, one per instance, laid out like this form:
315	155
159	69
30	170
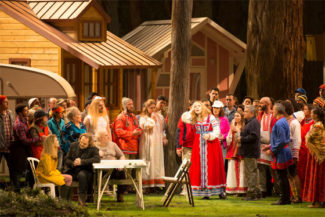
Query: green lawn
179	206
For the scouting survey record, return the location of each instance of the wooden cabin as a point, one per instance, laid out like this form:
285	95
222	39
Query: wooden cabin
71	39
217	57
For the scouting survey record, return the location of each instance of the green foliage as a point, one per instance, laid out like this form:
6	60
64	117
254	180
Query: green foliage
34	203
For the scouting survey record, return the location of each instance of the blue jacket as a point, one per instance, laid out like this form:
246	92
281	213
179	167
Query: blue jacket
71	134
280	138
53	126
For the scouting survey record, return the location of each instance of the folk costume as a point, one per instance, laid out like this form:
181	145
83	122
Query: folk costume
314	190
207	173
294	144
303	153
320	102
123	127
281	156
264	162
151	149
236	171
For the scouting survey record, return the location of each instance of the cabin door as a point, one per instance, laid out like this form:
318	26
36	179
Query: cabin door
72	73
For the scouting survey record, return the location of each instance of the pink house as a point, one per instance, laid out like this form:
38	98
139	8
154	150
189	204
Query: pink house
217	56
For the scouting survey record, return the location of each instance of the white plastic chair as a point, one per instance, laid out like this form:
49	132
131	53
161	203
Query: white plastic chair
51	186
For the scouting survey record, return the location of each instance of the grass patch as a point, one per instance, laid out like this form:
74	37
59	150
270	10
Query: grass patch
179	206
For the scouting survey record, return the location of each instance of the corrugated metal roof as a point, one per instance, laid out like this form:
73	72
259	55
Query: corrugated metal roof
56	10
63	9
153	36
113	53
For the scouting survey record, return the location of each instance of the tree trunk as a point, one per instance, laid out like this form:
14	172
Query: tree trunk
275	48
179	76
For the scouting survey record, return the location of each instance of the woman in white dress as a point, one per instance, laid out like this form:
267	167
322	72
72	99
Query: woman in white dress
97	118
151	145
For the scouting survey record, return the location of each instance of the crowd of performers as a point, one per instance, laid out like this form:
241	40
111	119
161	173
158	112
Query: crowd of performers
239	149
245	148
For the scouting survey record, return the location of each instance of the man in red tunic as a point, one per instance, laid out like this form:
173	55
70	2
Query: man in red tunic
266	119
126	130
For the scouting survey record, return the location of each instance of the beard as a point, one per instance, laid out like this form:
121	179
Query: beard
130	110
264	108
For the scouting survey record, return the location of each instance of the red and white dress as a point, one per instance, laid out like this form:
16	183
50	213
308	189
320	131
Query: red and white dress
207	173
236	171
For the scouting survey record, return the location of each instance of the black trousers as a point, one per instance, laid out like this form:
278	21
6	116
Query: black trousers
116	174
85	180
284	185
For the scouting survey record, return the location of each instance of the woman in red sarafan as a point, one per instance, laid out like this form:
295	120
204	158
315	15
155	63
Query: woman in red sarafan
207	172
236	175
314	189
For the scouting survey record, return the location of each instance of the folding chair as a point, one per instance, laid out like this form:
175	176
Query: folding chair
181	177
37	184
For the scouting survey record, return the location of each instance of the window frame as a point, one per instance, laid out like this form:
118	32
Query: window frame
94	37
14	61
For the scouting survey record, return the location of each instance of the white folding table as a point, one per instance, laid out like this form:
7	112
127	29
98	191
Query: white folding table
127	166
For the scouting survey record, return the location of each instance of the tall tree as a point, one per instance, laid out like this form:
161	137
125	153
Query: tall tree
275	48
180	67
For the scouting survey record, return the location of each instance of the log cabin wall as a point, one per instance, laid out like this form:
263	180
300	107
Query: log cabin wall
18	41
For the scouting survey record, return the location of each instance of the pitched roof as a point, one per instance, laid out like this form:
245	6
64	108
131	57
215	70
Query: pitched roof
154	36
63	9
114	53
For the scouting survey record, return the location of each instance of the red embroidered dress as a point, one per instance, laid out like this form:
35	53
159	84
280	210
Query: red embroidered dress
207	172
236	172
314	189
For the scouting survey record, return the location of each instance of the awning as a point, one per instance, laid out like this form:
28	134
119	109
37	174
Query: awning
26	82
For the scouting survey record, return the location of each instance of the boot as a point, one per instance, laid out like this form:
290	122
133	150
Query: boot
65	192
82	199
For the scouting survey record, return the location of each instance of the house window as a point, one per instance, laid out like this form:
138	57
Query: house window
91	29
20	61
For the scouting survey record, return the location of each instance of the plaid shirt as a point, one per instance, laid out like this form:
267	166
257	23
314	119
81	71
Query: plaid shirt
8	133
21	132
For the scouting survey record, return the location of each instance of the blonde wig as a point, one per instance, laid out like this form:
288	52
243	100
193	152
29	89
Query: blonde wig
94	113
49	147
146	105
204	113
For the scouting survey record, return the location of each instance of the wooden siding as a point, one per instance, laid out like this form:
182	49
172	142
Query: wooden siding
19	41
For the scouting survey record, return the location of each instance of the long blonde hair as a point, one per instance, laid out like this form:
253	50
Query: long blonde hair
146	105
49	147
94	113
205	112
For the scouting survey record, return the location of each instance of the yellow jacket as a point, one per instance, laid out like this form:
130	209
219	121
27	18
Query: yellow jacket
46	171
